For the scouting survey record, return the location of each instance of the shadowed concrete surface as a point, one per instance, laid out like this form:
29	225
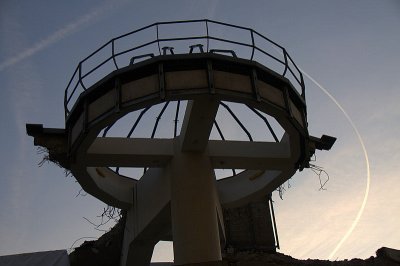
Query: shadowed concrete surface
179	197
106	252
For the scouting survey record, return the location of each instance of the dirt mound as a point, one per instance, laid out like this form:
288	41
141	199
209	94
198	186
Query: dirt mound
106	252
254	258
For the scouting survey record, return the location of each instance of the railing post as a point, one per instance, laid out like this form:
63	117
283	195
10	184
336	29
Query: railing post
113	53
252	45
286	62
158	40
208	36
80	76
66	111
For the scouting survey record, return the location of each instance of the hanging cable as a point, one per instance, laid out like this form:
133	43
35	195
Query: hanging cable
281	190
318	170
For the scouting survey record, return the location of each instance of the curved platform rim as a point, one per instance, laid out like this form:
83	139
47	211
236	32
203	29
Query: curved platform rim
165	78
290	99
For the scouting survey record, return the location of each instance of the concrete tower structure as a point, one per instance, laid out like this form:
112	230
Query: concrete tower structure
178	197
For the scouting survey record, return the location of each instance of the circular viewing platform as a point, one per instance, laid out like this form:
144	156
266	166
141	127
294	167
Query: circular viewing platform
166	61
201	68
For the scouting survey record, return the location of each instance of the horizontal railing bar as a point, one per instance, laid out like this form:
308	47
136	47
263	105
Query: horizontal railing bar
182	38
166	23
229	25
134	31
265	38
98	66
95	52
208	23
135	48
229	41
270	55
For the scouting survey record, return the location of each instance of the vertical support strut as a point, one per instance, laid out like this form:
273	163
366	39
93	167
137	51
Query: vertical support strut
194	205
273	221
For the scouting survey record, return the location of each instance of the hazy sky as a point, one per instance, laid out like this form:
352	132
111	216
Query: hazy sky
349	47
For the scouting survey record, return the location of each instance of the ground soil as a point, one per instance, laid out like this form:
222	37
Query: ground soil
106	252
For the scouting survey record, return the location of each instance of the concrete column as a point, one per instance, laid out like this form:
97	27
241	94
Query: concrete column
194	208
129	236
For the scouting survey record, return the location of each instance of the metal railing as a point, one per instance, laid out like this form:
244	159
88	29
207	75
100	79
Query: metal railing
211	41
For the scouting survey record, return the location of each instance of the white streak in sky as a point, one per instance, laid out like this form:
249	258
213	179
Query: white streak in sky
55	37
361	210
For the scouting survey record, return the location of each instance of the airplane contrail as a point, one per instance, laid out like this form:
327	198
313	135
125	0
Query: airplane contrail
361	210
56	36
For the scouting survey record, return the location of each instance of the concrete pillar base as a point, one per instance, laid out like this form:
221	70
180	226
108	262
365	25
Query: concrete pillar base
194	205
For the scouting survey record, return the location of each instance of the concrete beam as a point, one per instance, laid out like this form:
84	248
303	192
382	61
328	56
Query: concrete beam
250	155
137	249
152	193
127	152
197	124
149	218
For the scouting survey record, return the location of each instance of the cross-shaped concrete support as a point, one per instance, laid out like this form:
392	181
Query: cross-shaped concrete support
178	198
181	179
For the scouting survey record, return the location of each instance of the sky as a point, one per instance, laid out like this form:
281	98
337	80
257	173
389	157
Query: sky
349	47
